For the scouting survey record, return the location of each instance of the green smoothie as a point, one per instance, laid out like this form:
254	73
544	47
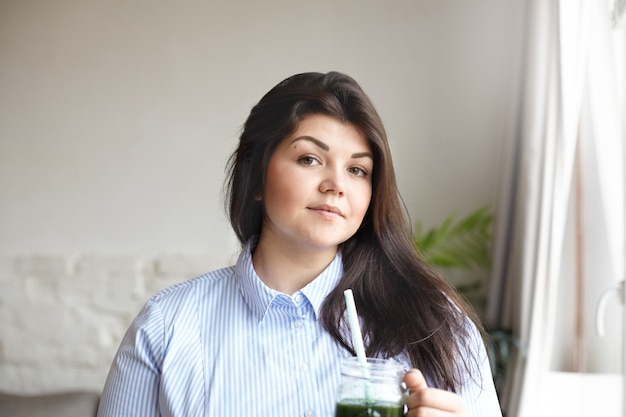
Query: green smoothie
358	408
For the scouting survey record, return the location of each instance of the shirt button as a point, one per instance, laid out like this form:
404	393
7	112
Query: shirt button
298	298
299	324
309	413
304	366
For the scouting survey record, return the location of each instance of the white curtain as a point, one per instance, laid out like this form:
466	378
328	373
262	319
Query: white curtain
566	78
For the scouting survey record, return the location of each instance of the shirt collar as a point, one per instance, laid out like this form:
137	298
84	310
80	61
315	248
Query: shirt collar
259	296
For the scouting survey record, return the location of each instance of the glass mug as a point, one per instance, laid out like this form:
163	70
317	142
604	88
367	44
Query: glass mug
383	394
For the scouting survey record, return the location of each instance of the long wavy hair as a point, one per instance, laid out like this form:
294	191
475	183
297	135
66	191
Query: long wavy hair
405	306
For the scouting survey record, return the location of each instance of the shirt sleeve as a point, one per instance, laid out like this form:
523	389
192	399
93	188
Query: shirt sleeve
132	385
479	391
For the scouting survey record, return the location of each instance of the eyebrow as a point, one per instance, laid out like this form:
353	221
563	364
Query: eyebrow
325	147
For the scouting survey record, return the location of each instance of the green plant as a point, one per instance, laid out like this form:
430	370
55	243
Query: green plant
461	244
499	348
465	245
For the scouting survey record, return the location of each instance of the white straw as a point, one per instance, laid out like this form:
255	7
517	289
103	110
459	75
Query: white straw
355	329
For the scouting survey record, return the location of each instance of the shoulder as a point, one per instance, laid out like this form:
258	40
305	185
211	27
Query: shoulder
183	298
204	282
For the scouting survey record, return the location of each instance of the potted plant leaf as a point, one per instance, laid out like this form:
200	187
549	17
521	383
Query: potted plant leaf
463	245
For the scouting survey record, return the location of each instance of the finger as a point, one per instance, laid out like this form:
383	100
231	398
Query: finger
430	412
430	401
440	400
416	384
415	381
451	406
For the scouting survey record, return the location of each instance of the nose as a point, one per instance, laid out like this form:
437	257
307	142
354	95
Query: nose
333	183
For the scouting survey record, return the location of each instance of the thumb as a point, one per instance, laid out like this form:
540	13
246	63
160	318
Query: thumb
415	381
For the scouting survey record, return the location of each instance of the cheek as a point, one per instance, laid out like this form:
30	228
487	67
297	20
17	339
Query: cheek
279	186
362	202
274	181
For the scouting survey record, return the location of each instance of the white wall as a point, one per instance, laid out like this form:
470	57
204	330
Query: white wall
116	120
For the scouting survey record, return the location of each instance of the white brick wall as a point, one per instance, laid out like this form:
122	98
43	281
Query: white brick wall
63	317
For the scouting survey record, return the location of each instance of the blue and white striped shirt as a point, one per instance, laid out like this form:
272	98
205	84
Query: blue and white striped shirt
224	344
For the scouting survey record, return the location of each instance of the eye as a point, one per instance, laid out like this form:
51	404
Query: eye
309	160
358	171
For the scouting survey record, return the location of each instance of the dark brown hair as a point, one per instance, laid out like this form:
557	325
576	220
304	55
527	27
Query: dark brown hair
405	306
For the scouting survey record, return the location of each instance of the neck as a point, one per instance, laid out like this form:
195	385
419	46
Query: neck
287	269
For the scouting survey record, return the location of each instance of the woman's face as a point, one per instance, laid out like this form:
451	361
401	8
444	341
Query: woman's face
318	185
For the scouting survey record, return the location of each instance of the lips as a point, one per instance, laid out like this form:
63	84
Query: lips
326	209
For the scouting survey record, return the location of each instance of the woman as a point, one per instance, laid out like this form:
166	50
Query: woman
312	198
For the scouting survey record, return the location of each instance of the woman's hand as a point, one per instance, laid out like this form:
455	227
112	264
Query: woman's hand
431	402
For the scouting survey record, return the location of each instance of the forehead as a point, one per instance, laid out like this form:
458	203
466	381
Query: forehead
327	128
